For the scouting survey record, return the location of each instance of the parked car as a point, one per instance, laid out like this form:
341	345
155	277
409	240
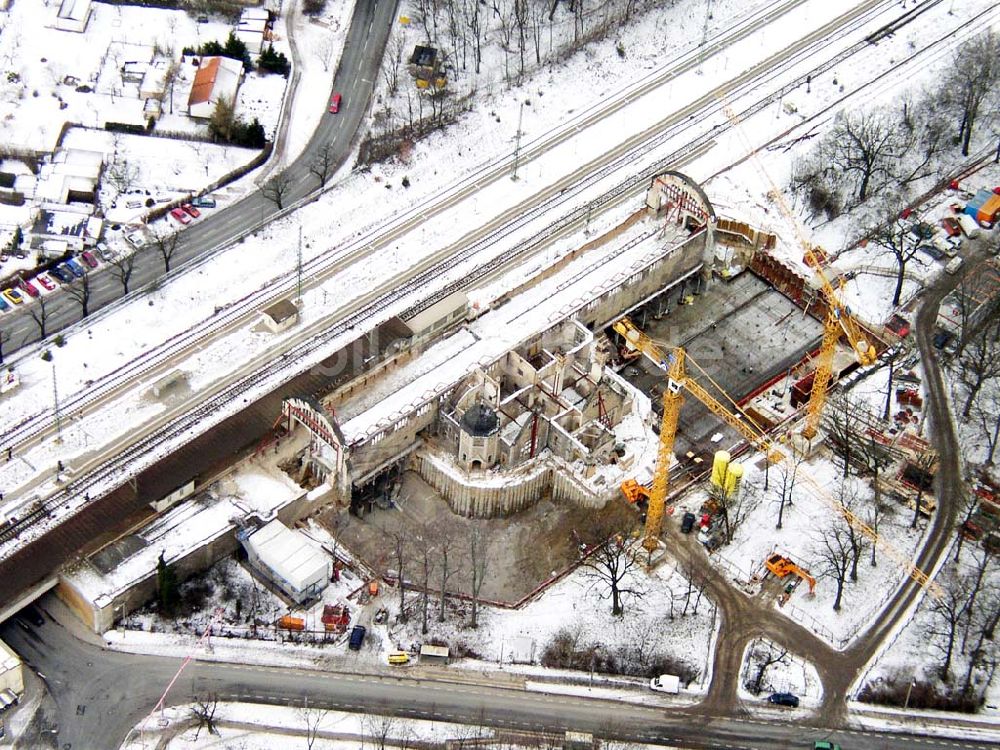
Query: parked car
3	304
203	201
88	259
687	523
357	637
824	745
28	288
191	211
12	296
666	683
335	103
107	255
61	274
784	699
932	251
180	215
46	283
77	270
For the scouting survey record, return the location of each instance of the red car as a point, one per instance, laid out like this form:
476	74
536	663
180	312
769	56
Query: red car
335	104
47	283
88	258
180	215
191	211
28	288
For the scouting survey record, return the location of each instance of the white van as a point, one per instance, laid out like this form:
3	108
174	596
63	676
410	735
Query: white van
968	224
666	683
953	265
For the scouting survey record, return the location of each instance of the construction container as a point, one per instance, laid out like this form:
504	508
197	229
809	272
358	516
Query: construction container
291	623
976	203
733	477
989	212
719	465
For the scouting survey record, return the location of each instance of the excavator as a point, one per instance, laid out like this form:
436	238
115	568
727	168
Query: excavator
782	566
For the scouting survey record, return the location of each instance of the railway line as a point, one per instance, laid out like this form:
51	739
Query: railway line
331	261
378	301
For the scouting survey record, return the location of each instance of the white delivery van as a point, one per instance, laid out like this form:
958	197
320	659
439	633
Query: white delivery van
666	683
968	224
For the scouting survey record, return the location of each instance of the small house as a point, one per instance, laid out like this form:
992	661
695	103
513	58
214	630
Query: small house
73	15
280	316
217	78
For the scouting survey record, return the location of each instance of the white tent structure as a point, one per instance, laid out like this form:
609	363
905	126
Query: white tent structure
290	560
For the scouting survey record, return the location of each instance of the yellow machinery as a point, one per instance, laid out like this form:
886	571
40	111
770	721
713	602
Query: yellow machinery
781	566
672	399
839	319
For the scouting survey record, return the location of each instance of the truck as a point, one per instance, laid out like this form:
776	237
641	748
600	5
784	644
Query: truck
968	224
287	622
666	683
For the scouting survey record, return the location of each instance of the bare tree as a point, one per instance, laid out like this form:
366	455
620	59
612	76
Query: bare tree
166	245
445	570
970	82
423	543
121	176
833	556
323	49
312	717
764	654
277	188
734	507
979	363
788	472
324	163
857	542
379	728
923	463
478	557
39	313
203	711
401	555
946	613
121	268
81	293
892	237
610	565
392	62
843	419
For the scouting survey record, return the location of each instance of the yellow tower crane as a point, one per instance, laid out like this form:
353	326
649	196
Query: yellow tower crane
677	379
839	320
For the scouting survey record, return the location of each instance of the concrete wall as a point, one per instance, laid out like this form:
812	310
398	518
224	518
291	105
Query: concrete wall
486	498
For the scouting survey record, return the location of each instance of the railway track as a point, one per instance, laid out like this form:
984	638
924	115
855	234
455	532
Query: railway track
339	257
380	300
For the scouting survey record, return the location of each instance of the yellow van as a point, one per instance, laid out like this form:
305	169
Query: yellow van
399	657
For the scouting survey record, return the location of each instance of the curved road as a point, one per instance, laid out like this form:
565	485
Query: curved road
355	76
100	695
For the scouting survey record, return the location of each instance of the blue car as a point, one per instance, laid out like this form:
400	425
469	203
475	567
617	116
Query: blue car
78	270
3	304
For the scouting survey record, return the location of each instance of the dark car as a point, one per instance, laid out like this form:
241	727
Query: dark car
357	637
941	339
61	274
784	699
687	523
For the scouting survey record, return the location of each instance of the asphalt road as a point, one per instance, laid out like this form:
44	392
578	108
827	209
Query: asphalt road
100	695
354	78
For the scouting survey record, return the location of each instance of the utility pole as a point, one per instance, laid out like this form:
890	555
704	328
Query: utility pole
517	142
298	292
